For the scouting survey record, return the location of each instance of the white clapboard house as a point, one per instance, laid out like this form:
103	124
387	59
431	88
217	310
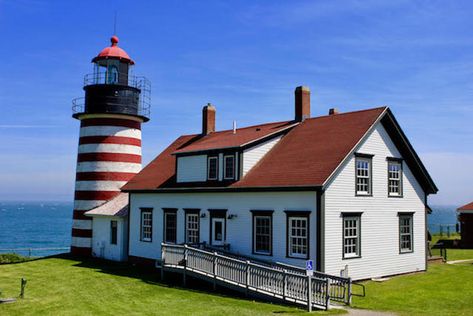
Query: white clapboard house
345	190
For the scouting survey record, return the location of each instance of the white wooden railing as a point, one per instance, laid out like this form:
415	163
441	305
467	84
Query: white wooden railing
291	286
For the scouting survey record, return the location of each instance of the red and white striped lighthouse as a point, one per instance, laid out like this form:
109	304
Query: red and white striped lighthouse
109	154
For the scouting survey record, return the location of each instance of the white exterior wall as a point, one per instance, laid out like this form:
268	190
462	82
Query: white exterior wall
101	237
192	168
252	155
239	229
379	222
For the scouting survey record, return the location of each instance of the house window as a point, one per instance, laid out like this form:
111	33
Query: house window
229	167
298	234
405	232
212	168
192	226
394	178
146	224
351	235
262	232
113	232
363	175
170	225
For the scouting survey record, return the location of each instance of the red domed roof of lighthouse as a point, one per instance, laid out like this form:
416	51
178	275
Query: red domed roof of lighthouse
114	52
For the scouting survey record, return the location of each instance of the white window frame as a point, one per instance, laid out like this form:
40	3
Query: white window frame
192	227
292	237
225	167
351	231
397	179
146	229
216	167
368	175
410	233
269	235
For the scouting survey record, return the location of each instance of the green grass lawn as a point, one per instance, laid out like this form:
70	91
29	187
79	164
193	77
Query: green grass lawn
453	253
443	290
62	286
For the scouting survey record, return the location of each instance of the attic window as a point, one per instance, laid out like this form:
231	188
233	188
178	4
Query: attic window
229	167
212	168
363	174
395	178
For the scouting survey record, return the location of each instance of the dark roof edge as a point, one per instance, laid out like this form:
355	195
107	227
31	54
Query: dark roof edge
429	187
229	189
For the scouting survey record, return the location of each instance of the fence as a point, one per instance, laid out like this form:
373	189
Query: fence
287	284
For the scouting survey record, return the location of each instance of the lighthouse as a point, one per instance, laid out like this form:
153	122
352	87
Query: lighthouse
115	105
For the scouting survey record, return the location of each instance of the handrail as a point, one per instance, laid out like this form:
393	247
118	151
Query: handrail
286	285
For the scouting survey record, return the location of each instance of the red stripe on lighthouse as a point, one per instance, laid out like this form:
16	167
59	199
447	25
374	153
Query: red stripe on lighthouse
105	176
109	157
81	251
121	140
110	122
79	214
95	195
81	232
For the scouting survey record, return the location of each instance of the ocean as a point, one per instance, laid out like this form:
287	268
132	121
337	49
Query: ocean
33	225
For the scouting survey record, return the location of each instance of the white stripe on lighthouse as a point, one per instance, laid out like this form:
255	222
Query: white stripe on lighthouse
110	131
109	148
99	185
82	224
110	166
84	242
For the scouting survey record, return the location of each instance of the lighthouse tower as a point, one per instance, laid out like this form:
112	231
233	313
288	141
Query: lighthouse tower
115	105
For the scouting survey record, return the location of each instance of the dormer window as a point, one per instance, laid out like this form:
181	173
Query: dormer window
212	168
229	167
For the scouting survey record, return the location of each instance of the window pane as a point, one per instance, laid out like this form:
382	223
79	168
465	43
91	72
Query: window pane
229	167
262	233
351	239
363	176
170	228
212	168
298	237
146	225
192	229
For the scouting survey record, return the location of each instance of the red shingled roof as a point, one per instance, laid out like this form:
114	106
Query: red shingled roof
466	207
228	139
306	156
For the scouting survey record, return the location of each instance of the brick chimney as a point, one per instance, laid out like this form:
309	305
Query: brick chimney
302	103
208	119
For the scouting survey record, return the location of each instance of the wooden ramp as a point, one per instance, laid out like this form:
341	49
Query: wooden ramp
277	282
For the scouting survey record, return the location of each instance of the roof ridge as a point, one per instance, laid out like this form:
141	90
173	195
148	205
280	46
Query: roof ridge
351	112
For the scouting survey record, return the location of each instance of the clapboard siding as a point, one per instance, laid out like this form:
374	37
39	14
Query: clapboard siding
192	168
379	221
254	154
239	229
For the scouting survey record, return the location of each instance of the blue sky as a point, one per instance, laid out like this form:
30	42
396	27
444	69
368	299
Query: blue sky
246	57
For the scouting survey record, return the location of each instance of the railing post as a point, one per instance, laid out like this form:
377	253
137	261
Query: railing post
349	291
215	271
309	293
327	295
163	260
185	266
284	284
247	282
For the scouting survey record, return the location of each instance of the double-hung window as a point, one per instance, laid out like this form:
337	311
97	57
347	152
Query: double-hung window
298	234
212	168
229	167
394	177
351	235
363	174
146	224
262	232
405	232
192	226
113	232
170	225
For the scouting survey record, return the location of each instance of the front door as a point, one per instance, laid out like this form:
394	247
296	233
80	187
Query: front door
218	231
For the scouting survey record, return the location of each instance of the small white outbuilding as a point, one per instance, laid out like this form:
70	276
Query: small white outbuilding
110	229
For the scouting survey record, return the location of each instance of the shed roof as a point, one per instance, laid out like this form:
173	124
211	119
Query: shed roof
117	206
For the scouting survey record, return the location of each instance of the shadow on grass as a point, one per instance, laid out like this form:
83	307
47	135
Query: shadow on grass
172	280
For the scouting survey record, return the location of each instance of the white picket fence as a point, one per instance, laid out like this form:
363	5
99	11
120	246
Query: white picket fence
291	284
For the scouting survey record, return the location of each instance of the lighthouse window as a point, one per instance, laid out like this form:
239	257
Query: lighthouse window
112	74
